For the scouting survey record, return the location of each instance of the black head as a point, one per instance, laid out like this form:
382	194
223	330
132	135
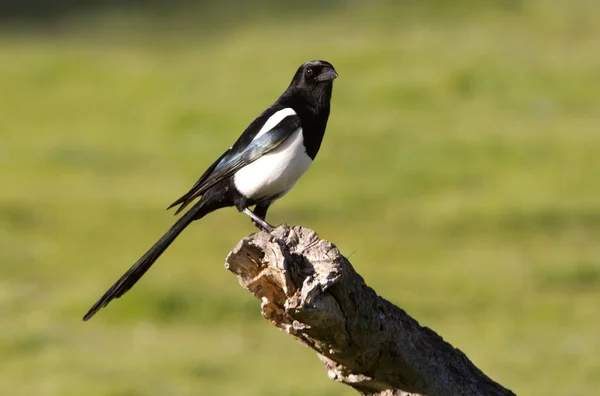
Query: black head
314	81
314	73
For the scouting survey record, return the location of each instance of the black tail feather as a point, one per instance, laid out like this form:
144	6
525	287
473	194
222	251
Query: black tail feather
134	274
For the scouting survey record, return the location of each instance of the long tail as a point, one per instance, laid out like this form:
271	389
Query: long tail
134	274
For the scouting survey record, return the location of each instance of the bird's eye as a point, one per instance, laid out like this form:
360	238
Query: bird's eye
309	72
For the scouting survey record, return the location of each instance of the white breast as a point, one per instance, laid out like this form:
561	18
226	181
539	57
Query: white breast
276	172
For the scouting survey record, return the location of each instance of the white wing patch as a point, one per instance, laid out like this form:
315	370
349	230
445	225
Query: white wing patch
276	172
275	119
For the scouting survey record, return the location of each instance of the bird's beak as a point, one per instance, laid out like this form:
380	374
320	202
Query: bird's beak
327	74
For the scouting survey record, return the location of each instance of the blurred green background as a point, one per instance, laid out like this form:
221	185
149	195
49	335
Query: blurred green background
460	172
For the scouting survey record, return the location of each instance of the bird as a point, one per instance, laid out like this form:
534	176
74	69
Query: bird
263	165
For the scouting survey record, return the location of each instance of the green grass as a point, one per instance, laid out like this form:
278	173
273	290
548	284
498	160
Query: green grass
460	171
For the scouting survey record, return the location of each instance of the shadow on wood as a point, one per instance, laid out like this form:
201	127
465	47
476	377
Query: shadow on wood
309	290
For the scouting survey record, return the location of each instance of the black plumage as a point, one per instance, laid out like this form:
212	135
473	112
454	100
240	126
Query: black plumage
261	166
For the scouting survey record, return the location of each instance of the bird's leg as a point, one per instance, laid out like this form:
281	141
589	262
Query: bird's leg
260	210
260	223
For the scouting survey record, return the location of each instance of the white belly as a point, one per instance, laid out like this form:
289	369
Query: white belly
275	173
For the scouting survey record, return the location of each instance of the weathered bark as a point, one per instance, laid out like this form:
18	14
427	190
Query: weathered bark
311	291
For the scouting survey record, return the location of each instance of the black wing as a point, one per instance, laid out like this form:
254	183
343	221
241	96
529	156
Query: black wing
186	198
233	160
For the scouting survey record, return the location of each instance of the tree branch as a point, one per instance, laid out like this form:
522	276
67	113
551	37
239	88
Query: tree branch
309	290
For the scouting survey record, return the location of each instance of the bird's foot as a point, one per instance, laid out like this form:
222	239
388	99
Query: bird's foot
263	226
258	222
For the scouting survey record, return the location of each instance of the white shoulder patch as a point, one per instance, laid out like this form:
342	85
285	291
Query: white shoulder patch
274	120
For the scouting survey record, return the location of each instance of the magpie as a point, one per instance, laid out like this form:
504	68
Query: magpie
262	165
